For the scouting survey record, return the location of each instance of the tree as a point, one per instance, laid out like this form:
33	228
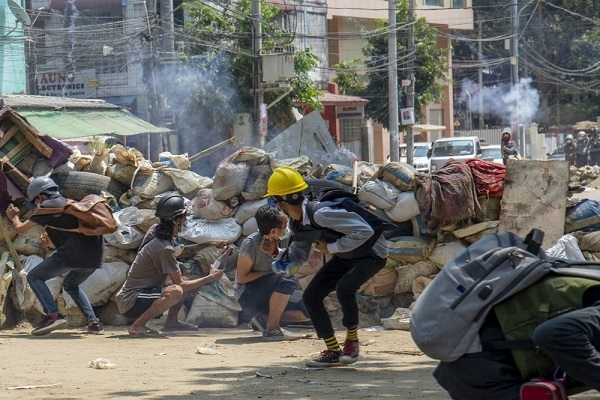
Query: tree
224	32
558	50
430	65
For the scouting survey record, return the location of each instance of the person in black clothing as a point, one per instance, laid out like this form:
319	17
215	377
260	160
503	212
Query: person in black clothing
581	150
76	253
572	340
595	148
569	150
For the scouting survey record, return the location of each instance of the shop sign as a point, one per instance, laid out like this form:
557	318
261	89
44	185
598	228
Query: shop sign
78	84
350	111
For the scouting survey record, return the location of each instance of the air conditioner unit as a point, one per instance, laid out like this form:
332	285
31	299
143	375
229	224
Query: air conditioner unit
277	67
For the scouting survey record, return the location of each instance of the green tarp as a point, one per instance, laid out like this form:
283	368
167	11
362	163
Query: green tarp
76	123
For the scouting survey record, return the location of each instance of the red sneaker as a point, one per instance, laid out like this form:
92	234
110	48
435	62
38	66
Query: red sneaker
350	352
49	324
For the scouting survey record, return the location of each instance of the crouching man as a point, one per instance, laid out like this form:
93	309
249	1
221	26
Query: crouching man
144	294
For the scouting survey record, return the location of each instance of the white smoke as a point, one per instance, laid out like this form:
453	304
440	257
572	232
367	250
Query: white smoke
514	105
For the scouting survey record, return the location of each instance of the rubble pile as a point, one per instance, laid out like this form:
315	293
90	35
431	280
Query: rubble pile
436	216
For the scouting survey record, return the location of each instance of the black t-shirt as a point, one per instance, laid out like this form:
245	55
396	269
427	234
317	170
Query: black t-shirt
76	249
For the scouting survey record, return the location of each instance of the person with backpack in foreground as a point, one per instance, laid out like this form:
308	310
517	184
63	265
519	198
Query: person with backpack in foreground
358	253
509	323
144	295
270	295
78	254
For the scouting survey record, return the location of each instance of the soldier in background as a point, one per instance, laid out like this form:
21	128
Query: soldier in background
569	150
582	149
595	148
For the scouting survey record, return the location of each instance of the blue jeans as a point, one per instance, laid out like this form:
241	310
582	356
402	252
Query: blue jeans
51	268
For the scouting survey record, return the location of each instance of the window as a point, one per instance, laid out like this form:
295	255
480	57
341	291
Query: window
458	4
433	3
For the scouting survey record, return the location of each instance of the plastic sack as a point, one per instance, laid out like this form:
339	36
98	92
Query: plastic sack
566	248
199	230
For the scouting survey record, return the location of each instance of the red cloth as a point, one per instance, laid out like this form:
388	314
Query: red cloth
488	177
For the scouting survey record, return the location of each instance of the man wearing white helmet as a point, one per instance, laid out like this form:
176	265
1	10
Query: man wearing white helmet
569	150
582	149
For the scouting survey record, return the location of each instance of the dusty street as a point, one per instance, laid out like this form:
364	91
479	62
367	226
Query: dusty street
57	367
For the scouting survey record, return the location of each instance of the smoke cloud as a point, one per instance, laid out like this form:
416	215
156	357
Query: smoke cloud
514	105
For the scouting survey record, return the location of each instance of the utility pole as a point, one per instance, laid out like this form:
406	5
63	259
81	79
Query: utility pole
515	69
393	83
480	75
258	94
410	139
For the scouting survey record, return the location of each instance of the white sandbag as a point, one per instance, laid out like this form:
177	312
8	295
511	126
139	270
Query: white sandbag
205	206
149	219
230	179
566	248
180	161
147	186
29	243
249	227
256	183
187	182
444	252
248	210
399	174
215	306
410	249
121	173
25	296
102	284
112	254
379	193
408	273
406	207
400	320
419	285
129	216
125	237
588	241
200	230
383	282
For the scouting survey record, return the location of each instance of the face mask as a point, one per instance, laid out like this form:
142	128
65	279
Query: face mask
569	141
286	235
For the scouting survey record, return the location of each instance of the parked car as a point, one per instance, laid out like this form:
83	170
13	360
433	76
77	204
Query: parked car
457	148
420	159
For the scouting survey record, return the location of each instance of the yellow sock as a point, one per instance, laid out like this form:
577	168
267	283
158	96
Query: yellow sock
352	333
332	344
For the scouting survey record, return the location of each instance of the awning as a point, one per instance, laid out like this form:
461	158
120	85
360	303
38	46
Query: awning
74	123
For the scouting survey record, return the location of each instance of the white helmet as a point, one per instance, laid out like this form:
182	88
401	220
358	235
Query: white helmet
581	135
569	137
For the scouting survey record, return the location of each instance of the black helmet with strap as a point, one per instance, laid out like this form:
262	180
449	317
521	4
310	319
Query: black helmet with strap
170	206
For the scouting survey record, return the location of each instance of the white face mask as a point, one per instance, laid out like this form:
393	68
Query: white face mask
286	235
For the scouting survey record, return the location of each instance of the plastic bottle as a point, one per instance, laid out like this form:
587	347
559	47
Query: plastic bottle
221	261
284	266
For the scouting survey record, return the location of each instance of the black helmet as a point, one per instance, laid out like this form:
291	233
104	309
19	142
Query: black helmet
170	206
41	184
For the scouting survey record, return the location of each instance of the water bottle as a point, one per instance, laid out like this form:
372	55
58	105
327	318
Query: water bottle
221	261
283	266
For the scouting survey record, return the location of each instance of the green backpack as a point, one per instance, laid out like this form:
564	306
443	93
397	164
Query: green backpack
520	314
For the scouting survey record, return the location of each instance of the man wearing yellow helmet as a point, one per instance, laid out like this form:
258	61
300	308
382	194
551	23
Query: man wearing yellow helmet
358	253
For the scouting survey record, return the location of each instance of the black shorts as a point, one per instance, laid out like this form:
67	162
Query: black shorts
257	294
143	302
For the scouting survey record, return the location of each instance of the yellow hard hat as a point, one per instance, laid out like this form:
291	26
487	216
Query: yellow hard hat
285	180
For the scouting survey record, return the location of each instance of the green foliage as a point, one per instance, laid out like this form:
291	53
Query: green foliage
348	78
430	65
223	34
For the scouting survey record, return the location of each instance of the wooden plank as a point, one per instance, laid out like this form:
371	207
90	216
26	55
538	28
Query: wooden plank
15	176
535	196
11	132
31	134
21	146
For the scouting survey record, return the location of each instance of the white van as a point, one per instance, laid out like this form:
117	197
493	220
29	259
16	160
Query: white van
458	148
420	155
